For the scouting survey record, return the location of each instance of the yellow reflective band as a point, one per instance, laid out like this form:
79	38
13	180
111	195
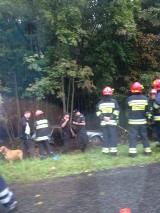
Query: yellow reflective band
110	122
132	150
113	149
137	121
156	118
106	107
42	121
42	126
156	106
105	150
138	102
107	110
116	112
98	113
138	107
147	150
43	138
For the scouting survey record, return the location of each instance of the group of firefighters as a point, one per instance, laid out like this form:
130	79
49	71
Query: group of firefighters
140	112
41	132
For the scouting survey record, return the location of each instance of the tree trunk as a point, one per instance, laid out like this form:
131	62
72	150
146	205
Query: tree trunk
17	100
8	126
63	97
68	97
72	100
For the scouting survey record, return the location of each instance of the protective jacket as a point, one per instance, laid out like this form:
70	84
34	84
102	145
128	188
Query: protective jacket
42	129
138	111
108	107
156	108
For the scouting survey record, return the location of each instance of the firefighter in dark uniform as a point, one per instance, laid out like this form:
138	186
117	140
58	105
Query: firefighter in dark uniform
80	123
108	112
6	196
151	122
138	114
67	132
28	146
156	106
42	130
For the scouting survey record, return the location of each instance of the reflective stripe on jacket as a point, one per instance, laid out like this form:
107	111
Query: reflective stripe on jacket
42	130
42	138
110	122
137	105
156	118
108	107
137	121
42	124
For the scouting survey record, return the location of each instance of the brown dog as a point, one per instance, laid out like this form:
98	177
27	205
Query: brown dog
11	155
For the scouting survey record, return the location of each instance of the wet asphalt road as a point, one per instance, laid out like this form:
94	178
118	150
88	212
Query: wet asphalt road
137	188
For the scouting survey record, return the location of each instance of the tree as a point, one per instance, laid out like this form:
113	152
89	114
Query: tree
57	79
60	50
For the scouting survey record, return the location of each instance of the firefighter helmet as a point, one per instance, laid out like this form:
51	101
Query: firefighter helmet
136	87
153	91
107	91
156	84
38	112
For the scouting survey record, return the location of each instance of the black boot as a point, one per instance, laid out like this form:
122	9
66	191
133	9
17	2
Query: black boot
132	155
114	154
13	207
147	153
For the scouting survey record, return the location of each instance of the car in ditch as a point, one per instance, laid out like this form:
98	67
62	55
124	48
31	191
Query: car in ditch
56	139
95	137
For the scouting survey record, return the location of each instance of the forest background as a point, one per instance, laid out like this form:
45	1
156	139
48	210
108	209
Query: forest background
57	55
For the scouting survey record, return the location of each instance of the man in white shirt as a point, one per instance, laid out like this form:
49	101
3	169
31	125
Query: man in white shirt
28	146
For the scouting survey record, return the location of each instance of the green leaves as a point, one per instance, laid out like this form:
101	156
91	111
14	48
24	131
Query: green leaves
88	43
68	24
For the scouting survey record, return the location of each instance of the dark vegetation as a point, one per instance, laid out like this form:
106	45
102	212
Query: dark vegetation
57	55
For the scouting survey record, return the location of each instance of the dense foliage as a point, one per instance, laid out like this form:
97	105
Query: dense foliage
65	51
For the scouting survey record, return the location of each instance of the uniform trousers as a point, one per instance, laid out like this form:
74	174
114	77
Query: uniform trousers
44	146
67	137
110	136
28	148
134	131
157	130
6	196
82	139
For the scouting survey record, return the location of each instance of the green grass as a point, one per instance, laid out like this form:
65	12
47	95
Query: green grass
74	163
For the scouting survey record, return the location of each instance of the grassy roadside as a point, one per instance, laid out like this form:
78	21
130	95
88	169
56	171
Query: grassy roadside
74	163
